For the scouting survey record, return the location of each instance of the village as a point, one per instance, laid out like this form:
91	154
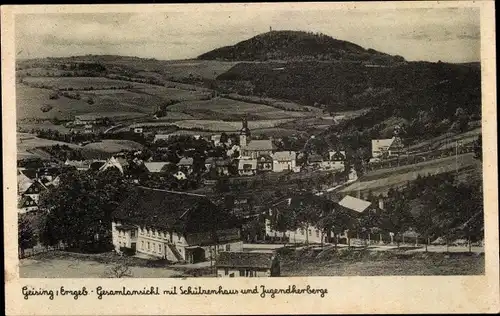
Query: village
228	202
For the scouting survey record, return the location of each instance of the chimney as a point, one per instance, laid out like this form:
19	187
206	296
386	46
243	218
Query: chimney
381	203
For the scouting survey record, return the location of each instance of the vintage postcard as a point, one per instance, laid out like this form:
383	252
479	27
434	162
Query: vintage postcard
250	158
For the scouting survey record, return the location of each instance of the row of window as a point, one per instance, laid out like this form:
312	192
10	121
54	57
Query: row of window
152	247
157	234
302	232
243	272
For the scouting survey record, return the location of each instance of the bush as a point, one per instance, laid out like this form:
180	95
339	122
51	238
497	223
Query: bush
127	251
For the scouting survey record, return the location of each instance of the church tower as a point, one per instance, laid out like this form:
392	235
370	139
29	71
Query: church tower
244	134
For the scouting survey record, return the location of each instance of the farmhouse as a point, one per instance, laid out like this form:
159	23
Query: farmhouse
247	264
177	226
253	148
315	160
386	148
284	160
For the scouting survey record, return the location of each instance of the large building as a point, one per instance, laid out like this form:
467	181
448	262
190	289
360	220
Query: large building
253	148
177	226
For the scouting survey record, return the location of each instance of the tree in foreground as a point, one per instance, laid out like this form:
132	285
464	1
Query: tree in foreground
26	235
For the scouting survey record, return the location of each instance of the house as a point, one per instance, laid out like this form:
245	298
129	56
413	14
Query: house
315	160
81	165
157	167
284	160
28	187
305	234
26	204
264	163
247	264
253	148
177	226
179	175
89	119
186	163
222	166
138	130
386	148
247	167
353	175
337	160
354	204
119	163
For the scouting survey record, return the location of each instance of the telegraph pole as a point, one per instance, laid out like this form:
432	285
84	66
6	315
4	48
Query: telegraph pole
456	157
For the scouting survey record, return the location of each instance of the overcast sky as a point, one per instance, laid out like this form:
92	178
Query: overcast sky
450	35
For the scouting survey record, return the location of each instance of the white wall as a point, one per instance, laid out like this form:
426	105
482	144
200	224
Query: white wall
221	273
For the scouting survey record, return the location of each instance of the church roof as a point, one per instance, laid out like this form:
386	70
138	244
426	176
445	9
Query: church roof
258	145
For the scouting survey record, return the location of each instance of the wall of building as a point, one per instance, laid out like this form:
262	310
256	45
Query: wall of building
279	166
312	235
244	272
156	243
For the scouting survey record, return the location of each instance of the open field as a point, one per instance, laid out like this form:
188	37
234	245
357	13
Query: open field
380	181
78	83
113	145
224	126
26	143
29	103
222	108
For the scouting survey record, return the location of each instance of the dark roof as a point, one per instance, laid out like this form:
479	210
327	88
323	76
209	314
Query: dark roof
245	260
125	227
176	211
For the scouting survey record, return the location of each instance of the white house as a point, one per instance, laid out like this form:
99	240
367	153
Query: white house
247	167
284	160
390	147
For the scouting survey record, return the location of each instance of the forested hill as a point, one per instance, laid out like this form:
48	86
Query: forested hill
297	45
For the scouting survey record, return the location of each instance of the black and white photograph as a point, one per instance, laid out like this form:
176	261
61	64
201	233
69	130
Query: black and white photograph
250	158
273	144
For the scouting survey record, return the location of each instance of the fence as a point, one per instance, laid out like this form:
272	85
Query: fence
29	252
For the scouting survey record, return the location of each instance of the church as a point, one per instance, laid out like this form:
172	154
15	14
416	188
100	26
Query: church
254	148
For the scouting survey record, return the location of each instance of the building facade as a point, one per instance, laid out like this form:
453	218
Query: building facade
247	264
176	226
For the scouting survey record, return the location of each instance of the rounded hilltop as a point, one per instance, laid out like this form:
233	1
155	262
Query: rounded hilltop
294	45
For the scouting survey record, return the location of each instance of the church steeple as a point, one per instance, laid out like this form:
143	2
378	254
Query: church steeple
244	133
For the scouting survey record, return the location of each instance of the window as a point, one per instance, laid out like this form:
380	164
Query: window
310	232
132	234
142	244
159	248
302	231
226	271
242	272
149	247
228	247
317	233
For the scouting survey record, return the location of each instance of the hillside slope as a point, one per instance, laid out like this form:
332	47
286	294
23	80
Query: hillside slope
296	45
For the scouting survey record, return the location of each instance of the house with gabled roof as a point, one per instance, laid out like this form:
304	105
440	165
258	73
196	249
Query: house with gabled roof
284	160
390	147
28	187
177	226
247	264
26	204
